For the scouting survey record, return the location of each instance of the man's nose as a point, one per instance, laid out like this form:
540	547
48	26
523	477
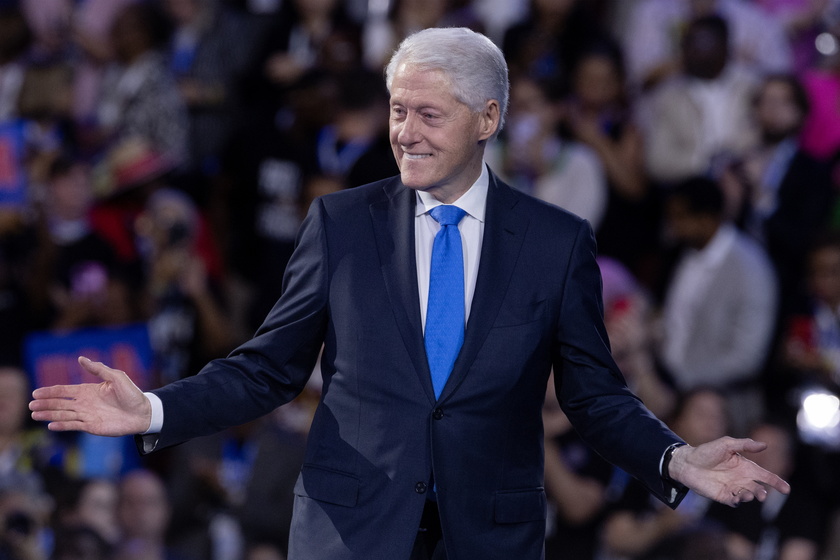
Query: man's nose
409	132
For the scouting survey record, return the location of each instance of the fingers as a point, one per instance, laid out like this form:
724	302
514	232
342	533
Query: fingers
775	482
55	392
68	426
46	404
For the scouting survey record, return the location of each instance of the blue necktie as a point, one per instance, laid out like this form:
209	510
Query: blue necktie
445	313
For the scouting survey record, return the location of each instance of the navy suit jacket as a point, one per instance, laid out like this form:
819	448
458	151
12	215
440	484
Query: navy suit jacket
379	436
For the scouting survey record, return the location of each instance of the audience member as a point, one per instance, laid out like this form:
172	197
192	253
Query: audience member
384	30
140	98
783	527
25	450
628	316
15	43
600	115
810	347
545	44
535	156
91	23
207	57
719	311
303	37
237	486
788	193
17	240
143	512
654	33
639	529
700	117
354	148
24	518
184	308
575	479
821	130
79	543
76	280
87	505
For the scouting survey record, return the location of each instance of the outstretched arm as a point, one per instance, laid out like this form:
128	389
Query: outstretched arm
717	470
114	407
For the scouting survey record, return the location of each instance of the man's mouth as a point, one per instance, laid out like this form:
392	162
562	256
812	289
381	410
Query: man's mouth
417	156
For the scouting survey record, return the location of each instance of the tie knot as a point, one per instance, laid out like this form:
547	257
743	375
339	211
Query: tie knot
447	214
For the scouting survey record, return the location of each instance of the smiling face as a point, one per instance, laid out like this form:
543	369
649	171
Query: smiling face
437	140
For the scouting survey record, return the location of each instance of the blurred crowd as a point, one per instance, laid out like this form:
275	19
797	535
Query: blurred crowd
157	158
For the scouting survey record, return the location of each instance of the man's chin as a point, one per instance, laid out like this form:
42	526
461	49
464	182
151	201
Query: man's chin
414	183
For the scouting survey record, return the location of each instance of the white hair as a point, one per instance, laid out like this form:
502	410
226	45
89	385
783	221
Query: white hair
475	66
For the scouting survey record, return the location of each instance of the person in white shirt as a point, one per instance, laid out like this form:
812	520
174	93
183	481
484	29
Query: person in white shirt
720	306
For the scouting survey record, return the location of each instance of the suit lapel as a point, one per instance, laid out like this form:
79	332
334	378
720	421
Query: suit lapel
504	231
393	221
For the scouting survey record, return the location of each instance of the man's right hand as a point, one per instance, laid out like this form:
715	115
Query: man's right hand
114	407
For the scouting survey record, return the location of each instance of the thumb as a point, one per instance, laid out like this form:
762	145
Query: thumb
751	446
98	369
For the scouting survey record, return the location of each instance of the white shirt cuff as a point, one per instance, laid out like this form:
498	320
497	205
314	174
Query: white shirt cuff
156	424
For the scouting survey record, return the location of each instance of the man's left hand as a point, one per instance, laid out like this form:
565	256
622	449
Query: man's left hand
718	471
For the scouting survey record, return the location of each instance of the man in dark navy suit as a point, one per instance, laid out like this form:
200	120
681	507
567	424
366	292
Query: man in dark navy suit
427	442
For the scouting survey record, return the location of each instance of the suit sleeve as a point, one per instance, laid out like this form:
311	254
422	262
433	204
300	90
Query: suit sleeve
592	390
269	370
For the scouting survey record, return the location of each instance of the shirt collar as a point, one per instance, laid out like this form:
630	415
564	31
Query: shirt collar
473	202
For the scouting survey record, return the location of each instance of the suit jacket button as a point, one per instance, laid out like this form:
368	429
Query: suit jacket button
437	414
420	487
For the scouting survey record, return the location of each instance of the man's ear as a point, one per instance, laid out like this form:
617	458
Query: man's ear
489	117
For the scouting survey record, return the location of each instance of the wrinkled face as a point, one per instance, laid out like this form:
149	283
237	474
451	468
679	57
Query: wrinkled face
437	140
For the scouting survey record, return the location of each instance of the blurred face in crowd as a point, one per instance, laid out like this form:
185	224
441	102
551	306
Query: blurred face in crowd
70	193
692	229
824	278
319	8
184	11
143	509
129	35
167	222
777	112
554	8
532	115
437	140
97	508
705	52
597	83
14	399
702	418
